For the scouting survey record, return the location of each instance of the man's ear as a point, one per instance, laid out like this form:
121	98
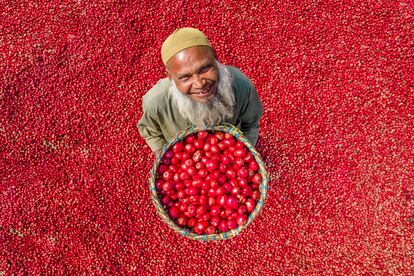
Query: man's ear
214	53
168	74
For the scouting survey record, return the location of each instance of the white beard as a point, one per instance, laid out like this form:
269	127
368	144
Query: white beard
219	108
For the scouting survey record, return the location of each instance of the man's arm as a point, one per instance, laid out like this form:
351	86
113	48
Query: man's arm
150	130
251	116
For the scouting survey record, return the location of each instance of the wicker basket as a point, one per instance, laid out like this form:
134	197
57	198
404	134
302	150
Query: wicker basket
263	187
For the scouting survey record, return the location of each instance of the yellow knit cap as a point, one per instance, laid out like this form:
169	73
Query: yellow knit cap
182	39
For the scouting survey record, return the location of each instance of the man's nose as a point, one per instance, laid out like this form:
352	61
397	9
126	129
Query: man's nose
198	82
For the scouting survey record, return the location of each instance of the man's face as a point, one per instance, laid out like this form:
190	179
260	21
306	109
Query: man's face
195	73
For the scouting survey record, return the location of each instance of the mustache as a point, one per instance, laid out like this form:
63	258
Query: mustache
205	88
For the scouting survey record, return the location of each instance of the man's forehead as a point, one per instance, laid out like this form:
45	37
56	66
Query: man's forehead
191	58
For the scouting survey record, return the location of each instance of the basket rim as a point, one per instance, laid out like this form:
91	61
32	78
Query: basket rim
263	187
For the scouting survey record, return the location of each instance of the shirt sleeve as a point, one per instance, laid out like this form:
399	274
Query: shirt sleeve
150	129
251	116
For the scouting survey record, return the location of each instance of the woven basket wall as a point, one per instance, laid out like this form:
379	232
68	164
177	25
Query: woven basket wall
263	187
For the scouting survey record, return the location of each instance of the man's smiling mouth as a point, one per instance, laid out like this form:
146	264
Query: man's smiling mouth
204	92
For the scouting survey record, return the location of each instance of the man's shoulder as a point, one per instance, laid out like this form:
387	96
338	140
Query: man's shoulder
157	95
239	78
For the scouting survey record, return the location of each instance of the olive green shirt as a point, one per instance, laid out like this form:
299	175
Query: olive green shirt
161	120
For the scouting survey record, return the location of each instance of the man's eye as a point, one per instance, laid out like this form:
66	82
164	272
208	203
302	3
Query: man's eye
205	68
184	79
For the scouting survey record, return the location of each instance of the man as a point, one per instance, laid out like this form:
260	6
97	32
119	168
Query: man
198	91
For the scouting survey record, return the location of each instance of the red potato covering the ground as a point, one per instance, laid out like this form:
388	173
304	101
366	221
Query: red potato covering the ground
337	138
